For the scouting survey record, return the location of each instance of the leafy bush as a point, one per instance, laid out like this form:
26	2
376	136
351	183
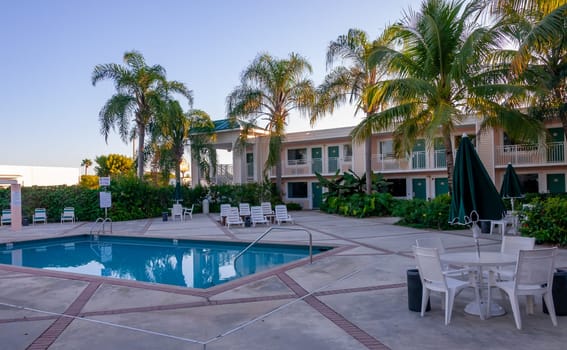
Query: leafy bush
359	205
425	214
547	221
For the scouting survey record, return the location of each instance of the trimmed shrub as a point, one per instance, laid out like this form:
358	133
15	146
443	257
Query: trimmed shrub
546	221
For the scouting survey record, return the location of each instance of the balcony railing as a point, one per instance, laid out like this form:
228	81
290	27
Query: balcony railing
417	160
550	153
439	158
309	167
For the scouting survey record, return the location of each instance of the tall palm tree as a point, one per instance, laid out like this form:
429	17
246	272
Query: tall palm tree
269	90
354	83
539	29
140	89
171	132
446	68
86	163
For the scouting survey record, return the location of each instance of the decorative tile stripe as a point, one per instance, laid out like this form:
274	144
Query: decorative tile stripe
360	289
27	318
50	335
350	328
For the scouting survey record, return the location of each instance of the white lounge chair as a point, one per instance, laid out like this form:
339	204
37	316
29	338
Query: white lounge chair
534	277
233	218
224	211
6	217
68	214
39	215
267	210
257	216
282	215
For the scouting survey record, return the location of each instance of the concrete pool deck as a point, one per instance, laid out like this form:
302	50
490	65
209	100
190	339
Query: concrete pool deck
354	297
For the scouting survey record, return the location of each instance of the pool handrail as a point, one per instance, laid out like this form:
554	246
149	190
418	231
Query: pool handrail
102	221
278	228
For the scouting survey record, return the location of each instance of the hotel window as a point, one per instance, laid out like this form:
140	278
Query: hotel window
347	152
397	187
297	156
297	190
387	149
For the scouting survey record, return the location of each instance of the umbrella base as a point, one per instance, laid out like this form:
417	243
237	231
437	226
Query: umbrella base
473	308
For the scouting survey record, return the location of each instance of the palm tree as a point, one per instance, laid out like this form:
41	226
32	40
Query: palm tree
171	132
355	82
86	163
539	29
448	67
270	89
140	89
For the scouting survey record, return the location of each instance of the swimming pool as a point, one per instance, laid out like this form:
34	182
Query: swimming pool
194	264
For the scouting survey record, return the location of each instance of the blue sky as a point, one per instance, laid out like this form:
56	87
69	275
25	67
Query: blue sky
49	108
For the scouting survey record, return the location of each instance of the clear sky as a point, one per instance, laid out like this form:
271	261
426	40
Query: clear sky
49	108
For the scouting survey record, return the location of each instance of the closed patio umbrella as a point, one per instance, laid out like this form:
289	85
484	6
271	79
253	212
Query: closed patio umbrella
511	187
474	197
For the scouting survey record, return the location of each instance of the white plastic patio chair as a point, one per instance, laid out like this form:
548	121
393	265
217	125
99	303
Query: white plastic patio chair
68	214
233	218
512	245
39	215
257	216
434	278
437	243
282	215
188	211
534	277
177	212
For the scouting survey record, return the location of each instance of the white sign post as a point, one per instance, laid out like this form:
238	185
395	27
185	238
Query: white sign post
105	202
104	181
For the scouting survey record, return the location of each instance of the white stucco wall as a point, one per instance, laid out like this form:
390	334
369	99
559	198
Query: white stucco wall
42	176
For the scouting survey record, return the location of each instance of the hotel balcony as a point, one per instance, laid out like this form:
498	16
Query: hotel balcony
416	161
304	167
531	154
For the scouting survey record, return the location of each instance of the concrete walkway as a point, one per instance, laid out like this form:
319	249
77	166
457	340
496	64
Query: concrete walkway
353	297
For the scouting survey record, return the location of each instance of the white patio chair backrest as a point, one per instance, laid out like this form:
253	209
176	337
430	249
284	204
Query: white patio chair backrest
224	209
267	208
244	209
281	212
429	266
256	213
513	244
433	242
233	214
535	269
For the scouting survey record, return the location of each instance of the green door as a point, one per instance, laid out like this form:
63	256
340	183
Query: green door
250	166
556	146
556	183
419	188
333	153
441	186
418	155
316	195
316	160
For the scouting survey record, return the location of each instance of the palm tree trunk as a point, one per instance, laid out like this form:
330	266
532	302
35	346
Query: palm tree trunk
368	163
141	137
449	160
279	177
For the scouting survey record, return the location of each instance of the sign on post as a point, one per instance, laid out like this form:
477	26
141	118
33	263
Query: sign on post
105	200
104	181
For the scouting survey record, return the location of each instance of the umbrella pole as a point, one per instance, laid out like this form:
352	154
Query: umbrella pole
512	203
476	234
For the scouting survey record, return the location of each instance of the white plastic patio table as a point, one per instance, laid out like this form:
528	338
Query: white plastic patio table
487	259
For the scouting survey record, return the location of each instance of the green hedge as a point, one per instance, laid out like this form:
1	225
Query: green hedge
425	214
359	205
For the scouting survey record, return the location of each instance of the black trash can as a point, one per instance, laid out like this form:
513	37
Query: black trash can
485	226
414	291
247	222
559	292
25	222
164	216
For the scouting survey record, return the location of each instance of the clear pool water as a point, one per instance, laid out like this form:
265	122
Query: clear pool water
195	264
